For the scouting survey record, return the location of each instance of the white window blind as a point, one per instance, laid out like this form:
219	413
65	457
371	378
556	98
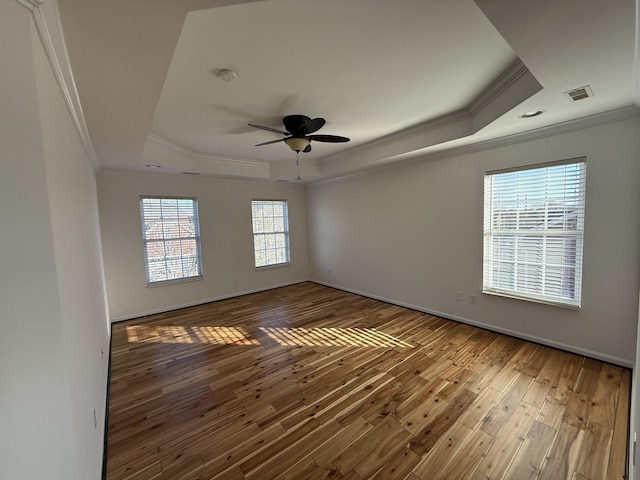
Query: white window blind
533	232
171	237
270	232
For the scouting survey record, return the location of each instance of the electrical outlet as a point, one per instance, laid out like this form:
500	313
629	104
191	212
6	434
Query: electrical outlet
472	299
458	296
235	280
328	271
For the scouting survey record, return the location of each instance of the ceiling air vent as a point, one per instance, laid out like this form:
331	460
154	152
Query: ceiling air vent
579	93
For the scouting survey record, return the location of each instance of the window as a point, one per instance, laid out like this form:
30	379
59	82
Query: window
270	232
171	236
533	232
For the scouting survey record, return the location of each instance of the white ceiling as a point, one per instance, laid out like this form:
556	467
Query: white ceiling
400	78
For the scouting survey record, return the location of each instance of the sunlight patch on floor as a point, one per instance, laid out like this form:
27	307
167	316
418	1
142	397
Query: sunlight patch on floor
338	337
177	334
224	335
290	337
158	334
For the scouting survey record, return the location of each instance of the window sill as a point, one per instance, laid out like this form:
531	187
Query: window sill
174	281
515	296
275	265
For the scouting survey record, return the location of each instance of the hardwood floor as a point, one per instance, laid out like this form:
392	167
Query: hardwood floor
308	382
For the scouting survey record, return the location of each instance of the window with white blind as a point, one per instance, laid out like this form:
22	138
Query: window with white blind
171	237
270	232
533	232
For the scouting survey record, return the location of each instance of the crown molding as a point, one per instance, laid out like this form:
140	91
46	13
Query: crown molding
46	19
506	79
561	128
216	179
30	4
624	113
415	130
173	156
179	149
500	85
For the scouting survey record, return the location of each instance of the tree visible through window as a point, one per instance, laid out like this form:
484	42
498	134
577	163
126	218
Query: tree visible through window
270	232
533	232
171	236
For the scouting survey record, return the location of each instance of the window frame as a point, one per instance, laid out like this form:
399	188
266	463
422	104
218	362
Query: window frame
146	241
574	251
285	232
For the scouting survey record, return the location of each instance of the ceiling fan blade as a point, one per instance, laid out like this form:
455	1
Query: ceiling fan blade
307	149
328	138
270	142
311	126
268	129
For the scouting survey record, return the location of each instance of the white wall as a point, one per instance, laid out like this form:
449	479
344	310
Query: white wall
73	205
52	310
226	238
413	234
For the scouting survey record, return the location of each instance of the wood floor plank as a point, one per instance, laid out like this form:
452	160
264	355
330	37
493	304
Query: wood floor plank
400	466
527	464
373	449
423	414
477	476
500	414
552	367
216	461
603	402
537	393
552	412
441	454
587	382
325	456
594	454
506	445
480	408
289	456
305	469
507	374
309	382
616	469
577	411
432	432
181	468
464	461
563	455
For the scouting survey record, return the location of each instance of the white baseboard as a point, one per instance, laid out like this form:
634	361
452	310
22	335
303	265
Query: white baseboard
532	338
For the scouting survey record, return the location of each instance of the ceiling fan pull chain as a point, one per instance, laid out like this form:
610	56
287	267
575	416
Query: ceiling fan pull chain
298	165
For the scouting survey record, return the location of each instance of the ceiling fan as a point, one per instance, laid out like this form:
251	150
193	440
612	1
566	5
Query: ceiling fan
298	133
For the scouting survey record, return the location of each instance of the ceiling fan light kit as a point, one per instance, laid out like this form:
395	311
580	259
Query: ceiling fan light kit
297	144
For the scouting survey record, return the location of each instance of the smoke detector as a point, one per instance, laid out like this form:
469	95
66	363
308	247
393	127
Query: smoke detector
228	75
579	93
